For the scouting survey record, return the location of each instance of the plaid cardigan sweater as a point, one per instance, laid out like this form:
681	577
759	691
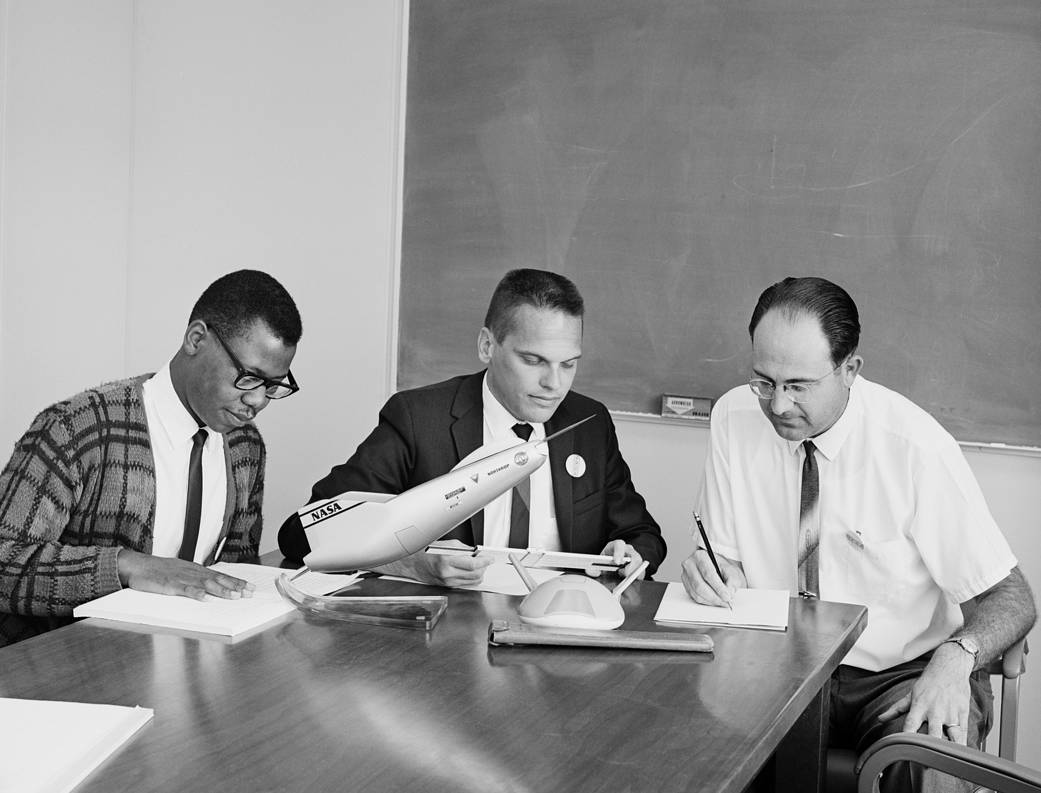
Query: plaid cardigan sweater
79	486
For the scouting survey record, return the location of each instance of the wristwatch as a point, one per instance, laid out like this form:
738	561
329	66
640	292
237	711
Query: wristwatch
968	644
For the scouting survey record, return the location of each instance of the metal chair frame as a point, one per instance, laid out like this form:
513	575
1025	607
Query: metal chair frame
978	767
842	763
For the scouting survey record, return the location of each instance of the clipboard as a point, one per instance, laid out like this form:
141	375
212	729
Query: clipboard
507	632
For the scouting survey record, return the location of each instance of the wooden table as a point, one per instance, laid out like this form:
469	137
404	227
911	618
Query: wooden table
311	705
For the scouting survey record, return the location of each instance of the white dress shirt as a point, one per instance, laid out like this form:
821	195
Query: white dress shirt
542	521
905	529
170	430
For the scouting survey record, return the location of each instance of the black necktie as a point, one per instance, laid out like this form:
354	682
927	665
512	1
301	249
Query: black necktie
809	524
519	508
193	506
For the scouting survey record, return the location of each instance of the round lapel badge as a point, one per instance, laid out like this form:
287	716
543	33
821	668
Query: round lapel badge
575	465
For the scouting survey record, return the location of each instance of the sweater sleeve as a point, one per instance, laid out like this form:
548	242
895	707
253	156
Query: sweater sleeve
249	458
43	570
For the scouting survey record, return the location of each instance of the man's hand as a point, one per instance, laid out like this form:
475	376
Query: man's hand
441	569
618	550
939	698
702	583
167	576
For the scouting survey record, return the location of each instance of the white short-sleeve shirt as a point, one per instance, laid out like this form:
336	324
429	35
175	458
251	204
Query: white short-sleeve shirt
905	529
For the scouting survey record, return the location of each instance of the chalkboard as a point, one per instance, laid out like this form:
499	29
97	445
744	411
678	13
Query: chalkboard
674	158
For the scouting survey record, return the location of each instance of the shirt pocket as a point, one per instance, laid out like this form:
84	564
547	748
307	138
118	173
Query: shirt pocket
880	571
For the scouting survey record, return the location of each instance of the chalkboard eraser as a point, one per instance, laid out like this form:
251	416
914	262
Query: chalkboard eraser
674	406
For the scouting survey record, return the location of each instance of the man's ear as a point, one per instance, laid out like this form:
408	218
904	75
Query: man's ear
485	345
851	368
193	336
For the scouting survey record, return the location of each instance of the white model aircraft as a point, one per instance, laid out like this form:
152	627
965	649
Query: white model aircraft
361	530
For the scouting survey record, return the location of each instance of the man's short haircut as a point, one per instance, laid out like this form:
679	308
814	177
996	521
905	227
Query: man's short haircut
829	303
234	301
536	288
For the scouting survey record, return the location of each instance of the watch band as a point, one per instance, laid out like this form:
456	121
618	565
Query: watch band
968	645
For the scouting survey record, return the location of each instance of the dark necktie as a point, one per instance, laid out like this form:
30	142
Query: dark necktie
193	506
809	524
520	510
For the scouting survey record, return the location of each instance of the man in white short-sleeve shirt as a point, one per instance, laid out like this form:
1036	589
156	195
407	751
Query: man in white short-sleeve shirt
886	514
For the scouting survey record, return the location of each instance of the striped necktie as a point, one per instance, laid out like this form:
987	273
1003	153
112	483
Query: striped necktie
809	524
520	510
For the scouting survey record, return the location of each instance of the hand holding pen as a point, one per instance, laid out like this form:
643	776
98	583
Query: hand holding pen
698	578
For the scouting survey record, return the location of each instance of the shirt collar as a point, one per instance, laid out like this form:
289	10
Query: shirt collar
499	420
177	422
829	442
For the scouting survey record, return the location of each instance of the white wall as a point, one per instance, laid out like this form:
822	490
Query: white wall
63	228
265	136
151	147
148	147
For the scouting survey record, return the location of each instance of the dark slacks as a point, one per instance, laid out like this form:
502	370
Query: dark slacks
859	696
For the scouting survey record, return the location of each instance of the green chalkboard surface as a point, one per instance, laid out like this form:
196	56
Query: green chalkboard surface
675	157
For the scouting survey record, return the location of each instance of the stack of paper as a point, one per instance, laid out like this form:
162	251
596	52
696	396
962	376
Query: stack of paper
752	608
49	747
214	614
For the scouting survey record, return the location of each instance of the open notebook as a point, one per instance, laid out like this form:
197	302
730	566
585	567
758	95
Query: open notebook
213	615
49	747
753	608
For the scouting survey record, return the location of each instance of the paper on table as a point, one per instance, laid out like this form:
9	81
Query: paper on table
213	615
49	747
753	608
500	577
263	578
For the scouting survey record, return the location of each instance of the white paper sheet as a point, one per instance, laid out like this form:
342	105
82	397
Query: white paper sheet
212	615
766	609
49	747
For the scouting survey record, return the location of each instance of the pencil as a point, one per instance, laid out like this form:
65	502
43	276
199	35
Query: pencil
708	547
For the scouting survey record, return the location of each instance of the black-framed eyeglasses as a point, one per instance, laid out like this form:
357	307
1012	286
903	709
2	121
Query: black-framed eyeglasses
250	381
797	392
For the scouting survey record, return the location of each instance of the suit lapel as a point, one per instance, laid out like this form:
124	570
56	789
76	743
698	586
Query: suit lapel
559	449
468	432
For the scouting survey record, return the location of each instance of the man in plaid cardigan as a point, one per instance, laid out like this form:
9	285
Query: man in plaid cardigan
93	498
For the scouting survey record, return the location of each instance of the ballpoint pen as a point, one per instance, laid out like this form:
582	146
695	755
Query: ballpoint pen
711	554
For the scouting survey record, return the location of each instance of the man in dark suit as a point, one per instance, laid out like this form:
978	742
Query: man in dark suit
582	500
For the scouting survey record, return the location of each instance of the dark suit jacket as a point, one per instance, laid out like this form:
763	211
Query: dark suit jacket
424	432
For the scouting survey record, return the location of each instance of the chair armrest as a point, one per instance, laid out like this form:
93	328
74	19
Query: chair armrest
973	765
1013	663
1010	664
